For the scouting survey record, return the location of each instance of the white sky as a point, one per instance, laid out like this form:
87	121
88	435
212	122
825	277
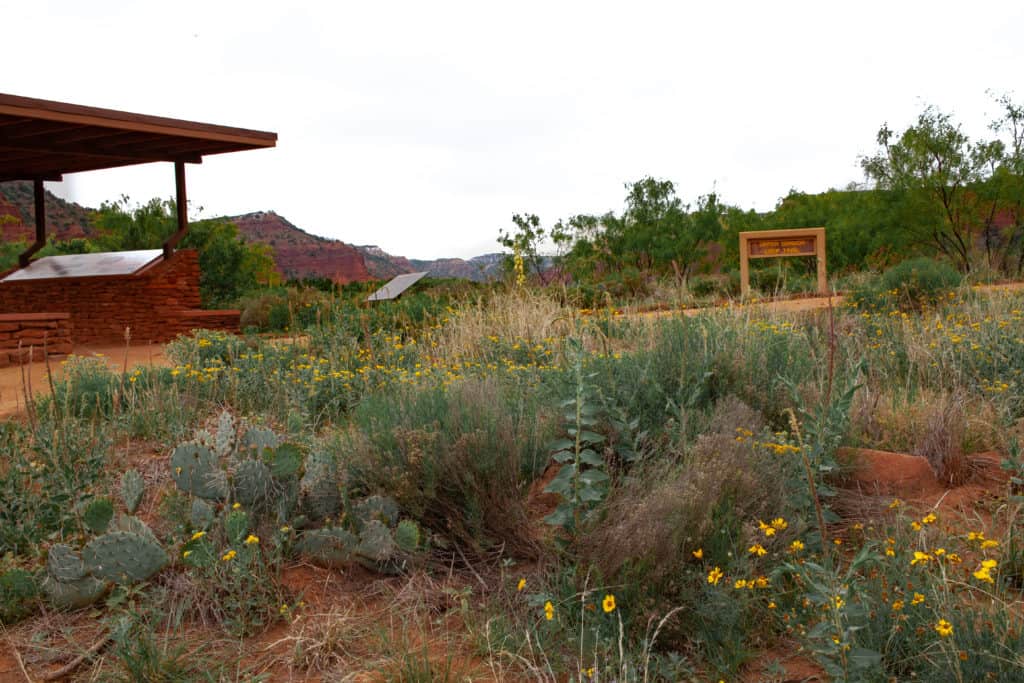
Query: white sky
423	126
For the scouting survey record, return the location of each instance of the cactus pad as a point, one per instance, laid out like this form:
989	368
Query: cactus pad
132	488
407	535
330	546
286	461
376	542
98	514
73	594
202	514
257	439
377	508
64	564
224	442
253	482
195	470
123	557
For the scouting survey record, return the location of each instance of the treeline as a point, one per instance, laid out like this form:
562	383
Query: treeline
931	191
230	268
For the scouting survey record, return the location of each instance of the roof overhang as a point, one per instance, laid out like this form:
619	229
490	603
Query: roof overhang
41	139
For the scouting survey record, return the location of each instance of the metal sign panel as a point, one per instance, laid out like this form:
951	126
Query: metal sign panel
86	265
394	289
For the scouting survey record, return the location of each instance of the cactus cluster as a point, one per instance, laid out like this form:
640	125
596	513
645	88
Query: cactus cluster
251	466
128	555
379	541
248	465
124	550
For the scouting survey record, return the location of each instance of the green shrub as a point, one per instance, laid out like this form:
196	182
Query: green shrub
458	460
920	281
18	590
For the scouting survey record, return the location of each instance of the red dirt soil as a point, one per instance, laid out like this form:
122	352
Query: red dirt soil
15	380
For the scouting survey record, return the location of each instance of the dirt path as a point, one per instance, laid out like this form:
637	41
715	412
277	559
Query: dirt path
14	381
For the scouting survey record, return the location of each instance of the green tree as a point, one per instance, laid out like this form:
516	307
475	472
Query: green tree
524	241
939	170
1005	188
229	267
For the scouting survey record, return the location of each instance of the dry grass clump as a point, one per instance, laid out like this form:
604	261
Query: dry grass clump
672	505
519	314
943	427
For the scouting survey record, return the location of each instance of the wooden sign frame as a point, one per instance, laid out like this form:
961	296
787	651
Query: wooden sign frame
781	244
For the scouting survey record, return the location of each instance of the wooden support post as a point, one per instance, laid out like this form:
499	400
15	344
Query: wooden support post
181	199
39	193
744	266
819	244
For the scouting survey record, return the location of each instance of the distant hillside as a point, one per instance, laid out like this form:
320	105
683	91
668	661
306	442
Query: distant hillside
299	254
64	220
479	268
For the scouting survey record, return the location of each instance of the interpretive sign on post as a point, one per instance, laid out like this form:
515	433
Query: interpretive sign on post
777	243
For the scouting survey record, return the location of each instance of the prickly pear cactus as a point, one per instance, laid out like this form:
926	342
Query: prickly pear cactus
407	536
227	430
285	461
202	514
195	470
132	488
256	439
376	542
377	508
253	482
64	564
331	546
133	525
123	557
319	494
73	594
97	515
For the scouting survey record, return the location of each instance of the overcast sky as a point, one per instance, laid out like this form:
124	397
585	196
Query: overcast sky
423	126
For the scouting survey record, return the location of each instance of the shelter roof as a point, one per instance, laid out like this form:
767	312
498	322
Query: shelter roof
44	139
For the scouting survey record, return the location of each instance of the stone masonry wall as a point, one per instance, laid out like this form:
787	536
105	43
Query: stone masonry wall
21	332
156	305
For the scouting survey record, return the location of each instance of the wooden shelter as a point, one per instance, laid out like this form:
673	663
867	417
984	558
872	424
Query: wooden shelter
58	301
42	140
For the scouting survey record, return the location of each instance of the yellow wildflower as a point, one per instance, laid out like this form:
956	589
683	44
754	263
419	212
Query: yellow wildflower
252	540
757	549
608	604
197	535
796	546
897	605
521	585
228	556
989	543
714	576
699	553
549	611
920	558
236	506
930	518
918	599
185	554
944	628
